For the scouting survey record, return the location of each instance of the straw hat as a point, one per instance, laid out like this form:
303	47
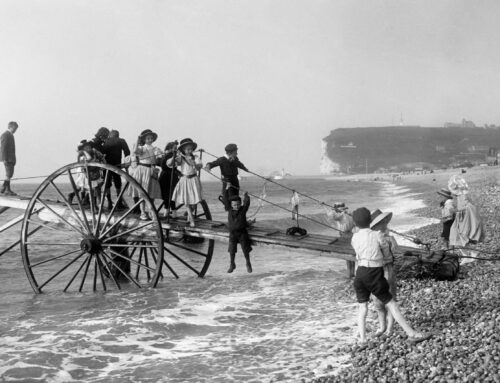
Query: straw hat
340	206
185	142
377	218
445	193
149	132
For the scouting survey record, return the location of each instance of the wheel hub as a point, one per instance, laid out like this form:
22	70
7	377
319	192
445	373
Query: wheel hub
91	245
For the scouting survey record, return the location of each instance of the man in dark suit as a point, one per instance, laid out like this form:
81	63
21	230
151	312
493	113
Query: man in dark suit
113	148
8	156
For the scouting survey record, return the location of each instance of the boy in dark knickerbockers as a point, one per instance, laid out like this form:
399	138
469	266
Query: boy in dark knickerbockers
237	225
229	165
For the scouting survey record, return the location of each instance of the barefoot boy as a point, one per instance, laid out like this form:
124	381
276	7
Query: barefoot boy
370	276
237	225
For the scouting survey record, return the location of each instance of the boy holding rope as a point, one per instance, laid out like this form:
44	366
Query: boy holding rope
229	165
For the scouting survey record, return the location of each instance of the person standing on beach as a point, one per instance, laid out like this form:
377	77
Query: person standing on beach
447	214
370	278
8	156
379	222
113	148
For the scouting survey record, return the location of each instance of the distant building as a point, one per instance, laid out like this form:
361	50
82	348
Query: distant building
464	124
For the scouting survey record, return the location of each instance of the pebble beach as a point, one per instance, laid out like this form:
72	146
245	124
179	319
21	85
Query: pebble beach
463	315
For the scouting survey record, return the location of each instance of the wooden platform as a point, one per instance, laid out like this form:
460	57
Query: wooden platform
336	247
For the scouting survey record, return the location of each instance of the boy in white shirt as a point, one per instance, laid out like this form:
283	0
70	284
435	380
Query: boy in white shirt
368	245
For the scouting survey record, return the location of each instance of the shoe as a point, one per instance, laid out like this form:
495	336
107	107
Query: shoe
144	217
173	213
249	268
9	193
4	187
232	266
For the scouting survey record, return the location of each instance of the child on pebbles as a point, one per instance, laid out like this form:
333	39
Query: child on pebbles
370	278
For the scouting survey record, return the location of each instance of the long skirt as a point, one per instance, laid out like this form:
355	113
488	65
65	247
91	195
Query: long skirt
467	227
188	191
144	175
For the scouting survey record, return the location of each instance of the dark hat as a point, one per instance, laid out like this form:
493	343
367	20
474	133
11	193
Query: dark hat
84	143
102	132
230	148
361	217
149	132
187	141
340	206
445	193
235	198
170	145
377	218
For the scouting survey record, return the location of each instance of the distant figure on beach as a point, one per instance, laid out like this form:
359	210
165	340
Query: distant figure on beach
379	222
113	148
169	177
467	227
145	172
237	225
369	279
229	165
448	209
8	156
188	190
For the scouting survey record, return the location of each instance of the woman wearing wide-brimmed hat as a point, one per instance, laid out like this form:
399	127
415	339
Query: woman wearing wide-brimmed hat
467	227
188	190
146	172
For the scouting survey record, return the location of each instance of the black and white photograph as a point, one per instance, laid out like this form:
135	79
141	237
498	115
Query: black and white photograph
250	191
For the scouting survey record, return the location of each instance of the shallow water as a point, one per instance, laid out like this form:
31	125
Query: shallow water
279	323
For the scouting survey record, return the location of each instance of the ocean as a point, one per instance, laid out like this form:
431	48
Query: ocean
279	323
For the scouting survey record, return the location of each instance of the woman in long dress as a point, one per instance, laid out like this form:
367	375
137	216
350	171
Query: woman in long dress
467	227
145	171
188	190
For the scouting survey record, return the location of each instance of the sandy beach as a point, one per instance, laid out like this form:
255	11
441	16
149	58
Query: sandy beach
463	315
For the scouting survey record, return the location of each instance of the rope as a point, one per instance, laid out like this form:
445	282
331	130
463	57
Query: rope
268	179
275	204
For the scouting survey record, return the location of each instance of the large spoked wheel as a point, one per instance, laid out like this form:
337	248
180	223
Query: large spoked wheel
82	231
189	252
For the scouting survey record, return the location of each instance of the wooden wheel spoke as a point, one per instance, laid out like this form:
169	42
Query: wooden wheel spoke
91	197
108	270
127	245
183	261
61	217
61	270
66	202
146	266
137	269
98	260
188	249
76	274
101	204
78	200
84	277
110	214
126	275
147	263
53	258
120	219
155	251
94	285
128	231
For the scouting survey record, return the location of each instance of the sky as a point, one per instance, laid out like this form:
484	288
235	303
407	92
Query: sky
275	77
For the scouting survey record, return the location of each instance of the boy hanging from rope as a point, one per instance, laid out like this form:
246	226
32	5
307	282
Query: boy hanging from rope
237	225
229	165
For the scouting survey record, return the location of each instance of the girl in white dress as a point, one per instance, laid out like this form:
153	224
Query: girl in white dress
188	190
146	172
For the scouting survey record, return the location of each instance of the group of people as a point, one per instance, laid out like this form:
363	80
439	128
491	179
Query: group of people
177	184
